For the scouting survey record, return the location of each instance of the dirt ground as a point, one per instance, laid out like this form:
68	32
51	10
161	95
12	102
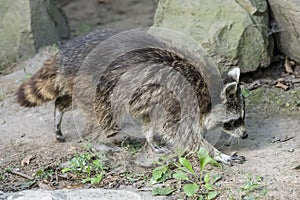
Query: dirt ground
273	122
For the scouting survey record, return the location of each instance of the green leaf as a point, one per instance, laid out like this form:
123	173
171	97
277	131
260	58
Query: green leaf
162	191
180	176
40	172
86	180
206	178
88	170
96	179
212	195
97	164
251	187
216	178
205	159
28	76
245	92
159	174
184	162
201	197
159	171
209	187
298	103
64	170
190	189
202	153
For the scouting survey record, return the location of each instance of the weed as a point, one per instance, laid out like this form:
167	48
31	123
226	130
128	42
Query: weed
161	174
132	145
246	93
195	183
254	188
136	177
27	74
55	48
87	166
44	173
83	28
1	176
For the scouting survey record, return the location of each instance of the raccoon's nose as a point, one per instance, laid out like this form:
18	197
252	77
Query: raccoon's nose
245	135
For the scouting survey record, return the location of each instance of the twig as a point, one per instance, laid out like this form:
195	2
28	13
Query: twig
21	174
281	85
284	139
288	66
287	139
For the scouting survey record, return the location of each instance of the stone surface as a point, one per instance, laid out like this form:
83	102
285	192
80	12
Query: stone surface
27	25
235	33
76	194
286	18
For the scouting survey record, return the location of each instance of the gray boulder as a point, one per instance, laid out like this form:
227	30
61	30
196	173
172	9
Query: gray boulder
234	33
286	17
27	25
88	194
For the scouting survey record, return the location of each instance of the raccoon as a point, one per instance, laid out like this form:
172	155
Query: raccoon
153	106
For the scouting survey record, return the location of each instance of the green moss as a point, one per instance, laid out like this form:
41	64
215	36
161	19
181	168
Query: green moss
83	28
256	95
274	101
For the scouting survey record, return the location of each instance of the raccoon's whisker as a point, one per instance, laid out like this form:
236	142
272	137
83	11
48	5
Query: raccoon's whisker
229	141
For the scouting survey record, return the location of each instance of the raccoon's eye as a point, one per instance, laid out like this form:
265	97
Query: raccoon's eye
233	124
231	96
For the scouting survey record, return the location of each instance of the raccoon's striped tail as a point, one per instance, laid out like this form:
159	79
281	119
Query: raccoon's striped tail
40	88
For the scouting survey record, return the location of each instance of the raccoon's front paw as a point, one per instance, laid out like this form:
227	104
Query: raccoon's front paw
60	137
229	160
236	158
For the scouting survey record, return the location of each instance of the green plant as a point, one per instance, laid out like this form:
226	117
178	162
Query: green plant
132	145
136	177
44	173
27	74
55	48
195	181
83	28
1	176
159	175
87	166
254	187
245	92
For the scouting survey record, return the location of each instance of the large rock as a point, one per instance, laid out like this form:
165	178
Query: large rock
235	33
77	194
286	16
27	25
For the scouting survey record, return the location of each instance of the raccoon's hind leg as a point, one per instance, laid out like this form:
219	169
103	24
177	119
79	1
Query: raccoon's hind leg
62	105
155	147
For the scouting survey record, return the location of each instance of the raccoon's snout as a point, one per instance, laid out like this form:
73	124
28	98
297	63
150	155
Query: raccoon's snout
244	135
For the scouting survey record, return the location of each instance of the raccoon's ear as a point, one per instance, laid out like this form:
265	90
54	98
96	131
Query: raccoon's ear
229	91
235	74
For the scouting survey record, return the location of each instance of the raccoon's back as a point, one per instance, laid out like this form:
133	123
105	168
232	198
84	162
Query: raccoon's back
143	79
74	52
